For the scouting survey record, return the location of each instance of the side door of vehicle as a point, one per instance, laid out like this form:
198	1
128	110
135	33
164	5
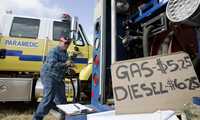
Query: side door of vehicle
83	48
56	29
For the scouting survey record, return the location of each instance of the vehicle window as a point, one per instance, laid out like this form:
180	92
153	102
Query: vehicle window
61	28
79	41
25	27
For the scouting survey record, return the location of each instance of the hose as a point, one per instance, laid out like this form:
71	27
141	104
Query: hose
145	40
74	91
71	73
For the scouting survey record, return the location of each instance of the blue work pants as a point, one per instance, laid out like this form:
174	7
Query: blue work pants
53	94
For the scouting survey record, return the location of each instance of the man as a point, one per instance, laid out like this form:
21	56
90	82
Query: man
52	76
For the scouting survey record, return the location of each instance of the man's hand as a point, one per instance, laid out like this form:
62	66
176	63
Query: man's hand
69	64
74	54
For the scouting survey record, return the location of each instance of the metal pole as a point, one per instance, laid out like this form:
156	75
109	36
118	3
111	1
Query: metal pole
103	53
113	31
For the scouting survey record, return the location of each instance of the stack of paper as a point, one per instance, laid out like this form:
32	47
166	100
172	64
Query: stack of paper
73	109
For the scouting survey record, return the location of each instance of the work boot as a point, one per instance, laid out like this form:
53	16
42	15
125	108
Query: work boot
60	115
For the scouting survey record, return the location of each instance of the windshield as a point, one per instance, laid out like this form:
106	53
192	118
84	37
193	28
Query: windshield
61	29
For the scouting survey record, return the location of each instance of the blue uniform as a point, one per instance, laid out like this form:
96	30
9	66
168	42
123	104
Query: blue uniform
52	75
55	63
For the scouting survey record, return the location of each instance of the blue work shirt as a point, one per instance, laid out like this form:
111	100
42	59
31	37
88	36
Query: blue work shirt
54	65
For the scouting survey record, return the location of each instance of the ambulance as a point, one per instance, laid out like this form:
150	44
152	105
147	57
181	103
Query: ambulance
24	45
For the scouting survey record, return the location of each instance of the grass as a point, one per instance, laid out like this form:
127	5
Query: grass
24	111
19	111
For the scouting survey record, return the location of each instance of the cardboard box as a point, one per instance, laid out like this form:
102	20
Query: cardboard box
154	83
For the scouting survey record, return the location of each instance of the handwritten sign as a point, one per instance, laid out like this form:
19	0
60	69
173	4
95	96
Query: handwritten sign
154	83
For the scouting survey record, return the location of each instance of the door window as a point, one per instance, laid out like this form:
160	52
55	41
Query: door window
61	29
79	41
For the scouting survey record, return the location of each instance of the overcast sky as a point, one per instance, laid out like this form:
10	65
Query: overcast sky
84	9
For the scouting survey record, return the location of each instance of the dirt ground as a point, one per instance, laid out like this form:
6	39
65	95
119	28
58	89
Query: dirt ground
19	111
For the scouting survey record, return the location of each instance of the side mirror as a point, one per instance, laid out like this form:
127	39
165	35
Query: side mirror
74	28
